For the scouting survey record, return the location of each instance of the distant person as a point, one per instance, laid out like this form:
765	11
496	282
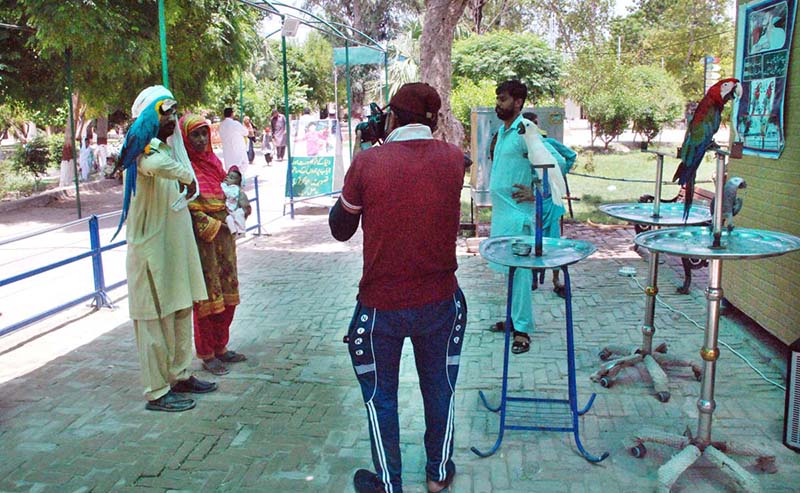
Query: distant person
251	139
234	141
217	247
407	195
86	159
266	145
164	273
278	125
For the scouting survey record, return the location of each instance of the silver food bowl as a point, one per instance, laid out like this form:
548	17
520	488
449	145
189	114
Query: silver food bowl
521	248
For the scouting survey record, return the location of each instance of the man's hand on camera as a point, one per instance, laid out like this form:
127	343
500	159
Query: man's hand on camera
523	193
357	143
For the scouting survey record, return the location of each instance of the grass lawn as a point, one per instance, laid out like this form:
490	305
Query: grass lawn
593	191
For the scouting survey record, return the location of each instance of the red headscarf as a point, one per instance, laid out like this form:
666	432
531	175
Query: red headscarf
206	164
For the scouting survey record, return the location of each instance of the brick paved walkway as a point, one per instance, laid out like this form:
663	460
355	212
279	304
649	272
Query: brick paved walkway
291	417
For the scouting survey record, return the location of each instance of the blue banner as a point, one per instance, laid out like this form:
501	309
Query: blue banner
763	48
358	55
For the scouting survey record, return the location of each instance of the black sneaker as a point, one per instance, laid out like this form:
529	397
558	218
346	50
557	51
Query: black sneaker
171	403
194	385
367	482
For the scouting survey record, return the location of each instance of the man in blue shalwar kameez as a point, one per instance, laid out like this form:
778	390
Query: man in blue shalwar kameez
512	202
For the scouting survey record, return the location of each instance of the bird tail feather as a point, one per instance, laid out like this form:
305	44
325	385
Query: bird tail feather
130	191
679	172
687	201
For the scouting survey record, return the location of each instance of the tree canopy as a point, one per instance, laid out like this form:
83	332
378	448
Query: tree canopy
116	51
677	34
502	55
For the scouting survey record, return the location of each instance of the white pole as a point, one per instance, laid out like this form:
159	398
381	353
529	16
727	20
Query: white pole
335	91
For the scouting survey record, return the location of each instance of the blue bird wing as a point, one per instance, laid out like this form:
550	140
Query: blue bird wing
142	131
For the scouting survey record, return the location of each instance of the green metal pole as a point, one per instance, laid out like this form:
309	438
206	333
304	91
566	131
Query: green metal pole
68	56
241	97
289	178
386	74
162	29
349	109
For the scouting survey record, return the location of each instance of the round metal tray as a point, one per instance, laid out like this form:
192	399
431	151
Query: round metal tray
670	213
696	241
556	252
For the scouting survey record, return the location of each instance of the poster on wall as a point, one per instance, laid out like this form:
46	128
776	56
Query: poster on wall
316	150
763	45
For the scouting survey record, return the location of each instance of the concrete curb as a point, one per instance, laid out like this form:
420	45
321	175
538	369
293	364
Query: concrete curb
45	198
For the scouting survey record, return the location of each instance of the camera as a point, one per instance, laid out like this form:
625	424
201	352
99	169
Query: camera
374	129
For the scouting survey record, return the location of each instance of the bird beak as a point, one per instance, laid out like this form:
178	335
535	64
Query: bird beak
737	90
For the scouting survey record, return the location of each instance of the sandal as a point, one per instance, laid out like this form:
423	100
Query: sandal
521	345
232	357
560	291
215	366
498	327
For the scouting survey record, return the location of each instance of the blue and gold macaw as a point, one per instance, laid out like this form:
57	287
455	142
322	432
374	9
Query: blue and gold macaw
700	134
147	111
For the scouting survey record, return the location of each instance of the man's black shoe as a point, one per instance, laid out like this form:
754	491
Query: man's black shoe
440	486
170	402
367	482
194	385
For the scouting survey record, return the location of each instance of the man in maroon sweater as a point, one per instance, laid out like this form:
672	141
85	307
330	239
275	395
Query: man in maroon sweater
407	194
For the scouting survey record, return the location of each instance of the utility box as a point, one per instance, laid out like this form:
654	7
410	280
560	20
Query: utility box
484	123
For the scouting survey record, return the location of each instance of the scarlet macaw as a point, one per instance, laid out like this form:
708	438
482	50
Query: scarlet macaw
700	134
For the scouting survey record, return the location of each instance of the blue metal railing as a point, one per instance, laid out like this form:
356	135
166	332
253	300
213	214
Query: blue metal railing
99	295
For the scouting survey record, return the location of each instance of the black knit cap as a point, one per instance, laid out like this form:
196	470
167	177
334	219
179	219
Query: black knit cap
418	98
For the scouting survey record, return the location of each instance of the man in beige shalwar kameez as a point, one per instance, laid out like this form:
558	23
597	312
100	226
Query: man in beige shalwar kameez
164	272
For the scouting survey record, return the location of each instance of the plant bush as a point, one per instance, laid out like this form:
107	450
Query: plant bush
55	143
32	158
657	99
609	112
469	95
503	55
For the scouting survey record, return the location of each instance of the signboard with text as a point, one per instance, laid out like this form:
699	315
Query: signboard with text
311	176
316	148
763	45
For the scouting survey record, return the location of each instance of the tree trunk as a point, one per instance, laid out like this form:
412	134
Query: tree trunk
476	7
436	43
67	163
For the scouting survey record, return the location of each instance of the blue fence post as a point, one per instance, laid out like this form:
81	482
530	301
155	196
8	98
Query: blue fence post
258	205
101	299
